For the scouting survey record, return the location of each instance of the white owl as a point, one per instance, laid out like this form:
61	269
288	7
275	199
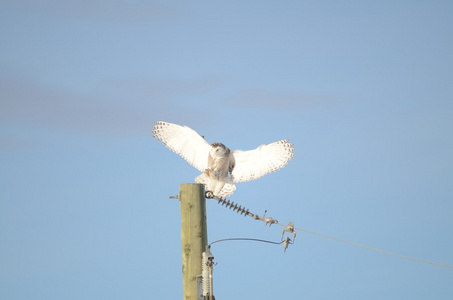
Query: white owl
217	163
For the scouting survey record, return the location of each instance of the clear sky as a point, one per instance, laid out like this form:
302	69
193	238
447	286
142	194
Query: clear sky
364	90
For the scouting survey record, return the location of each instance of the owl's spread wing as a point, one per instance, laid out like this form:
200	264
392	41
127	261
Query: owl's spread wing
253	164
185	142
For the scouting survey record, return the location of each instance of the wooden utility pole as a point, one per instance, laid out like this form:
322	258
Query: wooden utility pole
194	236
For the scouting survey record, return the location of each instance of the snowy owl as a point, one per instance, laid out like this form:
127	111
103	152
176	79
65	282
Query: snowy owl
220	166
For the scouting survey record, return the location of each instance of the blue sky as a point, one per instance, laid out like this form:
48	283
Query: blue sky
363	89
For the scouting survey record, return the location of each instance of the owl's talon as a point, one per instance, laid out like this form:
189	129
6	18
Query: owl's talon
209	194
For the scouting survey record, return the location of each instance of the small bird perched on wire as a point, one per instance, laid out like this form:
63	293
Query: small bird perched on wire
220	166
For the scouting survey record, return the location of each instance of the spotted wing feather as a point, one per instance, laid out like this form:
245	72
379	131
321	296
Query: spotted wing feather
185	142
253	164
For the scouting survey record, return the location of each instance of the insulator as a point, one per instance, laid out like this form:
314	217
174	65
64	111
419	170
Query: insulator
205	274
235	206
230	205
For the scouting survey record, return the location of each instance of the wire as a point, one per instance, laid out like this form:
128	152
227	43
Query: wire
368	247
246	239
271	221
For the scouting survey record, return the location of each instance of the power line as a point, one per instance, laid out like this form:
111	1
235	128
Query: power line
290	229
247	239
368	247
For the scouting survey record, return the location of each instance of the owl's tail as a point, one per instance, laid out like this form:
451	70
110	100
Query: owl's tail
221	188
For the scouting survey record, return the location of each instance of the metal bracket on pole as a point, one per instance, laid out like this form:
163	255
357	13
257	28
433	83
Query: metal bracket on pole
200	287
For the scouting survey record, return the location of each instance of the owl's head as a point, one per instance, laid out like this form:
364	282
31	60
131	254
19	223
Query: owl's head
219	150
